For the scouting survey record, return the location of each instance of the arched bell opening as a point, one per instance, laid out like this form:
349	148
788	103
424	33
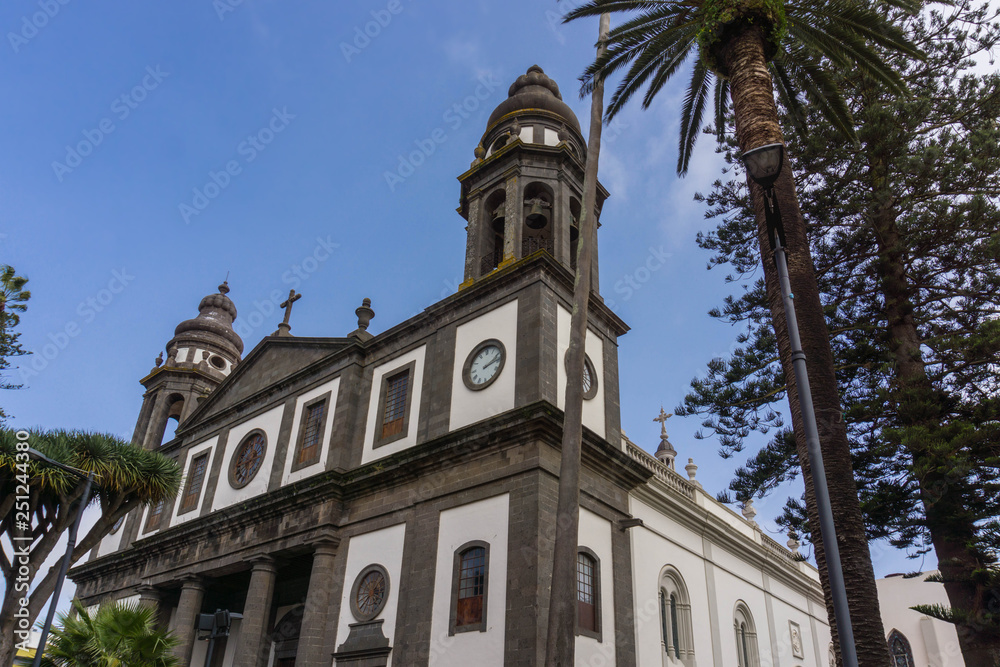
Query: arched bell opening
494	212
173	408
536	233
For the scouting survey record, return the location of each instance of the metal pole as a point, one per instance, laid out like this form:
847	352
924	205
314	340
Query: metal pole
828	533
63	568
211	649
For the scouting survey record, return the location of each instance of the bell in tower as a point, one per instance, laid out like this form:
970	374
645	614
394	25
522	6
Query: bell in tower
202	353
522	194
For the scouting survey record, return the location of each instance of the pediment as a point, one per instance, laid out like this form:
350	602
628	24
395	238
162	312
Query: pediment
274	360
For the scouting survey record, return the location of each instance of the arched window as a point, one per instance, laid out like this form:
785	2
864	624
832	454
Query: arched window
899	649
677	633
470	583
746	636
588	594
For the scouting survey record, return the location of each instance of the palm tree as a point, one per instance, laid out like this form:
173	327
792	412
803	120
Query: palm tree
749	49
126	477
560	641
117	635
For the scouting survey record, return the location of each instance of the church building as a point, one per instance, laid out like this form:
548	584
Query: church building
390	499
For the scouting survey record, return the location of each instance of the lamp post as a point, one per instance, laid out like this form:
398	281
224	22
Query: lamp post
216	625
764	166
70	545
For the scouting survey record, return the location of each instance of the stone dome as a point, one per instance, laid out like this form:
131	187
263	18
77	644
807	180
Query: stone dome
534	90
214	323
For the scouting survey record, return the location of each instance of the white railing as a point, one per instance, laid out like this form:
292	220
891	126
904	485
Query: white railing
662	472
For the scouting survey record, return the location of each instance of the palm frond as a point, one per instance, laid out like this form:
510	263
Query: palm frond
691	113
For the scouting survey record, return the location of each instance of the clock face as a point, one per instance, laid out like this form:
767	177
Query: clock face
484	364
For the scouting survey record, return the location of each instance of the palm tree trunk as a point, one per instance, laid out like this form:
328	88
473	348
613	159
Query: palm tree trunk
756	125
560	646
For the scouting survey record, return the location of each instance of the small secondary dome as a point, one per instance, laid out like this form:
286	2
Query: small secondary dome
534	90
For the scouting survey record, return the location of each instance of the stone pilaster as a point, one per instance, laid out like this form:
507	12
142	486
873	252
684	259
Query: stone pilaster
188	608
514	214
254	640
157	421
473	258
312	641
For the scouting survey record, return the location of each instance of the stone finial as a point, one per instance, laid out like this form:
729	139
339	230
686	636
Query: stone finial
793	542
563	133
159	359
749	511
692	470
171	355
224	287
365	315
480	152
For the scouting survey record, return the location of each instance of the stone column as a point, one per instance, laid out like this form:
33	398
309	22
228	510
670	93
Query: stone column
254	638
312	639
188	608
152	597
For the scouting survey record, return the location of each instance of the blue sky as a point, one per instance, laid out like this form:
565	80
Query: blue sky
150	148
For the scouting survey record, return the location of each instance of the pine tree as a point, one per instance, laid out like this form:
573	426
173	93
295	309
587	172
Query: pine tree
904	236
13	301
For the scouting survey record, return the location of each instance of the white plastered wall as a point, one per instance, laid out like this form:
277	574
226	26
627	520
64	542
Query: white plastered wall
934	643
661	541
383	547
177	519
485	520
270	423
595	534
110	543
369	453
468	406
289	477
593	409
664	541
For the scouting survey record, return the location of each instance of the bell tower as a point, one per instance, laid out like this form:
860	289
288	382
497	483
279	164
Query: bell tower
524	190
202	353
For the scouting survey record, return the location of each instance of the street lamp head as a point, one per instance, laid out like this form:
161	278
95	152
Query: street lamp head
764	164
